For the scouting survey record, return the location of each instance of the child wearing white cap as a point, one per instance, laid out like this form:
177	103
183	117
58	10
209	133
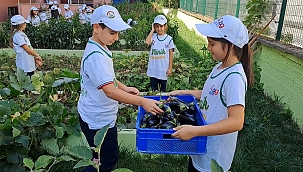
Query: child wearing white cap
160	63
222	100
43	18
58	8
54	12
33	17
68	15
50	4
101	91
26	57
82	15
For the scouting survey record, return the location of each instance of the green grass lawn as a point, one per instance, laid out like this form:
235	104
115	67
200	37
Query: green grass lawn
269	142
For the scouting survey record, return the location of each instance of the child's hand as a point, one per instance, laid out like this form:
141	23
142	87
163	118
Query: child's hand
173	93
38	61
184	132
132	90
153	28
169	72
151	106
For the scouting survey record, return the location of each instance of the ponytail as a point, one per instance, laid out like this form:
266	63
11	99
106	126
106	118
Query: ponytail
245	56
14	29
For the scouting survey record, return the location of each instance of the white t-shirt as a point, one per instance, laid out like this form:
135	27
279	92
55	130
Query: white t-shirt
158	62
223	88
35	21
88	17
24	61
82	18
97	70
68	14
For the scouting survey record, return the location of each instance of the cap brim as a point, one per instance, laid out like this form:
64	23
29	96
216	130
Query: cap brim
118	25
207	30
161	23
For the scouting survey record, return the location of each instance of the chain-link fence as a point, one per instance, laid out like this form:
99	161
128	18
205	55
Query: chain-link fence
286	27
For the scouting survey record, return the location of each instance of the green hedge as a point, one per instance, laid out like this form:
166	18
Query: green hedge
59	34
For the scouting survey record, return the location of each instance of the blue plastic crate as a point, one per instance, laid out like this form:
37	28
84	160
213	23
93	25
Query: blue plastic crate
160	141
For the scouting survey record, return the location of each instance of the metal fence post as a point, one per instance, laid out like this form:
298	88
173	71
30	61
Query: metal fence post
238	8
281	20
203	7
217	8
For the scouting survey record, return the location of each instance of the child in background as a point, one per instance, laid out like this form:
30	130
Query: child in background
54	12
222	100
101	91
33	17
50	4
58	8
88	15
43	18
82	15
26	57
160	63
68	15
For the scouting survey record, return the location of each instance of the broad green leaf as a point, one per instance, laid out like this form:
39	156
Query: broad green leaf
40	170
25	115
99	137
24	140
82	152
16	132
59	132
5	92
5	134
28	163
65	158
122	170
43	161
51	146
64	81
35	119
215	167
15	158
83	163
5	112
36	80
20	81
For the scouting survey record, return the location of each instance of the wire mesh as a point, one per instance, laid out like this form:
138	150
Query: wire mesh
292	30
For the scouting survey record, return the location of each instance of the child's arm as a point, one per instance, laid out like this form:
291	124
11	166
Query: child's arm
130	90
234	122
170	67
29	50
119	95
196	93
149	37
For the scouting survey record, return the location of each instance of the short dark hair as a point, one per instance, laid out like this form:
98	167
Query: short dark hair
102	25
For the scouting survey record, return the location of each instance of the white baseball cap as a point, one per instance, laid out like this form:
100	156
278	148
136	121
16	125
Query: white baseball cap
227	27
160	19
54	7
66	6
88	10
56	2
34	8
109	16
129	20
18	19
43	16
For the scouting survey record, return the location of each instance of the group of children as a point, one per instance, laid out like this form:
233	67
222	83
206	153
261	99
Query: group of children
39	16
101	91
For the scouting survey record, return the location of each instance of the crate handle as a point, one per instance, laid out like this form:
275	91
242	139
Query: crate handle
168	136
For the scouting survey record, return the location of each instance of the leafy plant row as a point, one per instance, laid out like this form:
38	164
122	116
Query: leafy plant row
60	34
